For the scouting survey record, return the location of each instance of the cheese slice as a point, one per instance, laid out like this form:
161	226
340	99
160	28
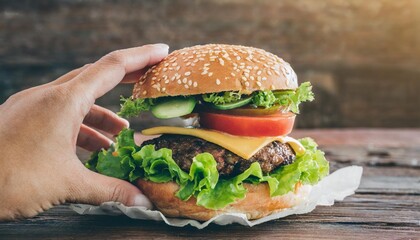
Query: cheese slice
244	147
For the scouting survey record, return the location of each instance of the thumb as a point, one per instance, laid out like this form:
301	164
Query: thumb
99	189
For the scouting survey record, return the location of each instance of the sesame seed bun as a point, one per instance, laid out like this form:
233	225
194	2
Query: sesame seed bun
215	68
256	204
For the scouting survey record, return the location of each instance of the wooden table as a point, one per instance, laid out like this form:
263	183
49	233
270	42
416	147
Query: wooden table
387	204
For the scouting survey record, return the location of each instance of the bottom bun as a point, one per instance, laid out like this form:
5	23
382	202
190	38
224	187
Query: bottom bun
256	204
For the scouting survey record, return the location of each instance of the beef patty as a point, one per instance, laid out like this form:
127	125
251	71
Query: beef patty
185	148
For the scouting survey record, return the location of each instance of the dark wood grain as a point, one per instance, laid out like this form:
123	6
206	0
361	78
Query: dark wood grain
361	56
386	206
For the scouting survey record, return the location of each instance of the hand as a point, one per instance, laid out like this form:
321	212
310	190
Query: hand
41	126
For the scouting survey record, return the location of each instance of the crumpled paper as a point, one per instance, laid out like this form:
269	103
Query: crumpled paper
334	187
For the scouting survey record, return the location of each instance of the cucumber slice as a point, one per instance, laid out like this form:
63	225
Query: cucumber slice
239	103
173	107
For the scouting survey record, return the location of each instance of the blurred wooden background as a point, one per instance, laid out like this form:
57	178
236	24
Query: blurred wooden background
362	56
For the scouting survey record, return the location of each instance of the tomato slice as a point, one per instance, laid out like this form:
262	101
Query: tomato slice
253	112
279	124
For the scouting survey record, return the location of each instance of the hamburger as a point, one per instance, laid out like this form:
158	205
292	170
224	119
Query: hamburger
238	157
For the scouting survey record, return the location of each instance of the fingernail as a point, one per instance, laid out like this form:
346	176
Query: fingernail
161	45
126	122
143	201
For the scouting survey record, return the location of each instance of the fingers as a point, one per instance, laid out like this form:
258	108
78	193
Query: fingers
105	120
108	71
91	139
68	76
98	189
134	76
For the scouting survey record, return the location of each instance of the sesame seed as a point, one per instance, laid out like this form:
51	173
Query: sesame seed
217	81
167	81
264	78
186	86
195	84
184	80
247	84
164	69
174	64
269	72
144	92
190	82
204	72
210	74
163	89
244	78
179	81
233	74
187	73
221	61
259	84
177	68
259	72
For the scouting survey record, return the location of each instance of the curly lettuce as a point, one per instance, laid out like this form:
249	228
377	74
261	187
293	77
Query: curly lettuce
133	107
289	98
221	97
127	161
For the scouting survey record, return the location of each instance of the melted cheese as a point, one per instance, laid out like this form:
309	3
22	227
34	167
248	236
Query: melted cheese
244	147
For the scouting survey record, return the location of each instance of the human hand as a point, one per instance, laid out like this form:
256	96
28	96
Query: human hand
41	126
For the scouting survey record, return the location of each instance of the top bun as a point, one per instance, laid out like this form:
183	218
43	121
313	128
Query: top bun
215	68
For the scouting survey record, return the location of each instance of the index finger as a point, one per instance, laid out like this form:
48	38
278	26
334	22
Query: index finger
107	72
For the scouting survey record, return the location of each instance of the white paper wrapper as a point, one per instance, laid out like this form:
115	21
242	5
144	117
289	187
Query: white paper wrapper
334	187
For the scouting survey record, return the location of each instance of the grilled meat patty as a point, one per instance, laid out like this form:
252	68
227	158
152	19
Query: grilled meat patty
185	148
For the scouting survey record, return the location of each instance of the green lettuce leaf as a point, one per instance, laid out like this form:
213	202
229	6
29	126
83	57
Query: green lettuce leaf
133	107
126	160
264	99
221	97
309	168
289	98
302	94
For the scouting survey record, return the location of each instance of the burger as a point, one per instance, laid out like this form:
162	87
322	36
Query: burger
238	157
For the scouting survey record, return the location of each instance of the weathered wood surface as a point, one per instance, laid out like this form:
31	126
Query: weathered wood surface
386	206
361	56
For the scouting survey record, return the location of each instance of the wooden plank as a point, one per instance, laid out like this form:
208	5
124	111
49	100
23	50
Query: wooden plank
320	224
